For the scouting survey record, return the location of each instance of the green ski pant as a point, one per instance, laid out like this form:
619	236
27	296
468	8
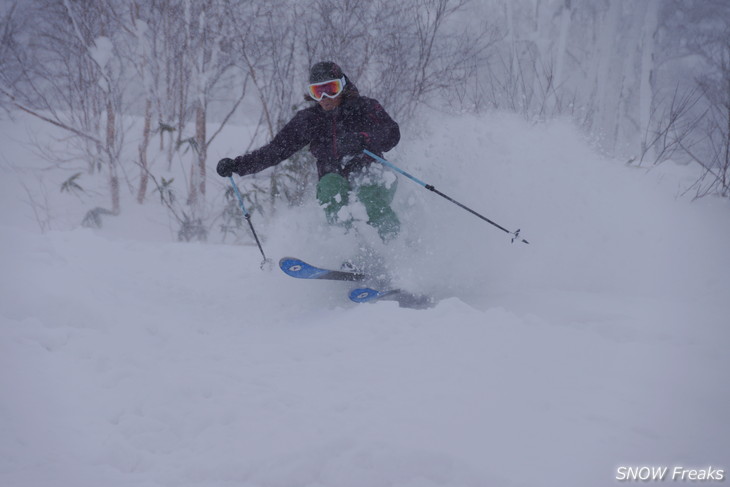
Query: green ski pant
333	193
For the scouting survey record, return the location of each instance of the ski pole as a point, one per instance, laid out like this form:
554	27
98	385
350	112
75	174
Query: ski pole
515	234
247	215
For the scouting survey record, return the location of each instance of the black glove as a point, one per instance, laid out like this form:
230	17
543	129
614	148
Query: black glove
241	165
226	167
351	143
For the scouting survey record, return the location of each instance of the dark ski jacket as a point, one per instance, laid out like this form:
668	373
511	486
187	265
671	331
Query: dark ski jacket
358	123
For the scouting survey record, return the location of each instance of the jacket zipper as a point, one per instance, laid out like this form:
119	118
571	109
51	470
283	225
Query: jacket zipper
334	137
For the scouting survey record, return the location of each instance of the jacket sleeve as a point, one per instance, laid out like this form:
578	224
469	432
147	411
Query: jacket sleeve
381	132
291	138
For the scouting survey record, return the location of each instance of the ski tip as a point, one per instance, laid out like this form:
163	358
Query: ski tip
286	262
363	294
403	298
292	266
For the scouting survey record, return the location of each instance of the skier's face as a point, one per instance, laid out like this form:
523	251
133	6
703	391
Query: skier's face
328	104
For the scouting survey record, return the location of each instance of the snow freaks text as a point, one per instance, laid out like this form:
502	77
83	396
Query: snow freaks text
647	473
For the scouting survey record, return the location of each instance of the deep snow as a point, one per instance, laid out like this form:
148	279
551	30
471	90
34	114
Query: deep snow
129	359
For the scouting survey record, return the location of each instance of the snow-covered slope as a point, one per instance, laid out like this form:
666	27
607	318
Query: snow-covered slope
130	360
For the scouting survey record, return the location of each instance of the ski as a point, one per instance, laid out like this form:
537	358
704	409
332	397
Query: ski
368	294
404	299
301	270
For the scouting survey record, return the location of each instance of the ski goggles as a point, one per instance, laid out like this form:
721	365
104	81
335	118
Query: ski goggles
330	89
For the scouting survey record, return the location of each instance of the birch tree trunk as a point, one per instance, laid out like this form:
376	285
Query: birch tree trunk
606	41
646	89
562	44
202	145
113	159
144	166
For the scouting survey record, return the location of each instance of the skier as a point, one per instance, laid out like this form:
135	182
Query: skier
337	129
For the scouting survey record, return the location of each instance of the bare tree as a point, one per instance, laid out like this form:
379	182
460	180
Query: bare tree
697	124
673	126
713	151
71	78
10	55
404	51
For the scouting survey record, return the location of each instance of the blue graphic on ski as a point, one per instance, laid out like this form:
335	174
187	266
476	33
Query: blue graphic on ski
403	298
301	270
368	294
